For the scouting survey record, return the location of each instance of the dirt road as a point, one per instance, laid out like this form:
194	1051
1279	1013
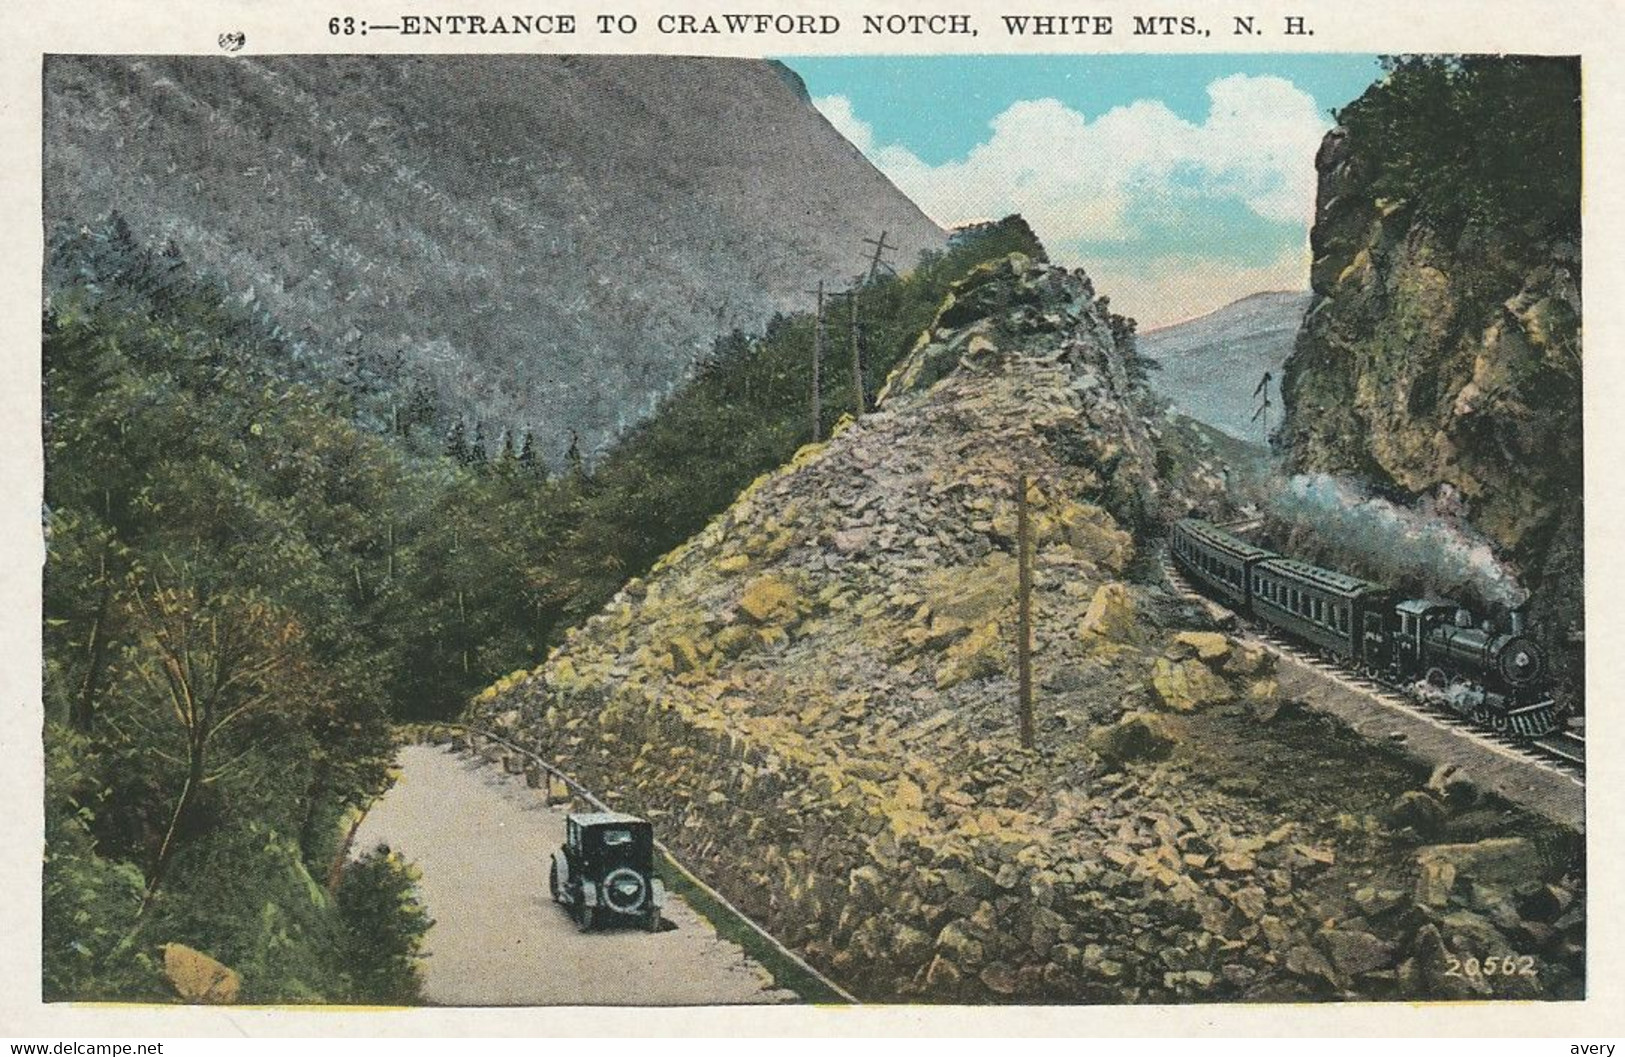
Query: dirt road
483	840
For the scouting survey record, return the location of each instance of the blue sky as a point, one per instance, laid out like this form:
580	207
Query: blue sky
1180	183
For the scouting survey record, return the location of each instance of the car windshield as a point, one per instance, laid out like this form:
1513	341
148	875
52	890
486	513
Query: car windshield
615	837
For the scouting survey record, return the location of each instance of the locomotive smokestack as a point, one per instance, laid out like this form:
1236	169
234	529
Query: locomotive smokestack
1517	622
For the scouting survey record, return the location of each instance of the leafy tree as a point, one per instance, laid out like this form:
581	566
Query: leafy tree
383	926
1475	140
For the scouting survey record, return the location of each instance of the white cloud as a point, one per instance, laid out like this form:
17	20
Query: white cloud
1127	176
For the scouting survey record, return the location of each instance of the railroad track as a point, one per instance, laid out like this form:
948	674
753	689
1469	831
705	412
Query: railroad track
1562	752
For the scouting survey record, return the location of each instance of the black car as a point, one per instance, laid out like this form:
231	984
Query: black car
606	867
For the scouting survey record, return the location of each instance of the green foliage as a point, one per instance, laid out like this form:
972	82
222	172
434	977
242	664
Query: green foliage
212	634
1491	141
383	928
90	902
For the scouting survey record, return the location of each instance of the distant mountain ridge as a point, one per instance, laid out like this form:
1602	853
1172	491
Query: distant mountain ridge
1212	364
526	241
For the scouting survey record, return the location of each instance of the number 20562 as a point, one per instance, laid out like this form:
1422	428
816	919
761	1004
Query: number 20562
1503	965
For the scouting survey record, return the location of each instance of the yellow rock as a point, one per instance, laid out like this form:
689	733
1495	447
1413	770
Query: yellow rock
197	977
562	675
734	563
779	544
769	599
1185	686
1263	691
732	640
1210	646
976	656
685	653
1249	660
1110	614
974	595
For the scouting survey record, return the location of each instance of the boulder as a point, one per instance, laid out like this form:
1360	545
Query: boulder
1544	902
910	946
1210	646
1451	785
1110	614
956	942
1355	952
1186	686
976	656
769	599
1429	970
942	974
1502	863
999	978
1137	736
196	977
1306	961
1247	659
1417	810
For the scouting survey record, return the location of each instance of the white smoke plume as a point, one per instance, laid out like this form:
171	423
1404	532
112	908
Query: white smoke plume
1426	545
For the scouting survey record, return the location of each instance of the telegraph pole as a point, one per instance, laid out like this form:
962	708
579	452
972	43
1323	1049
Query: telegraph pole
858	402
875	262
1024	613
1264	408
818	356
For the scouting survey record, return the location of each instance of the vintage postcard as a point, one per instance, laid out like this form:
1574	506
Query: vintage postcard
530	516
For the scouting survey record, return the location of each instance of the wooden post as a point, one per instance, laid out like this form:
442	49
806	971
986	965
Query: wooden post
857	363
1024	613
818	357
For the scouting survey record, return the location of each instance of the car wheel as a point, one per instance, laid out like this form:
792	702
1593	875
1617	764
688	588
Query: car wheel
651	920
584	919
553	880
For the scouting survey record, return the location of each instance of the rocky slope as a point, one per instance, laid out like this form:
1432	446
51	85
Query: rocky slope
1211	364
814	699
1446	368
546	241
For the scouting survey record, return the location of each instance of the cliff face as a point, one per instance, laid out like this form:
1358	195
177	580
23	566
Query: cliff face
1445	366
545	241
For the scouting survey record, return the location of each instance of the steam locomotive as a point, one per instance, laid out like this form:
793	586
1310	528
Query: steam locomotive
1432	649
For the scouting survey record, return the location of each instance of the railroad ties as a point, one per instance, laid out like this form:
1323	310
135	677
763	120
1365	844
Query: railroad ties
1561	752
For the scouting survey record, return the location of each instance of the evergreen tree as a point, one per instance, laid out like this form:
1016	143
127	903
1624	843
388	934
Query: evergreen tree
457	442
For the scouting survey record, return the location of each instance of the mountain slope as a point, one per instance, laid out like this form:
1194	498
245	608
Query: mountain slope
1211	364
545	241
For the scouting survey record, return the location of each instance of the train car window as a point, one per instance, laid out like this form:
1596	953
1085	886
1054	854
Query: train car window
1320	611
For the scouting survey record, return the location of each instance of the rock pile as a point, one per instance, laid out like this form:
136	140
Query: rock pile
814	700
